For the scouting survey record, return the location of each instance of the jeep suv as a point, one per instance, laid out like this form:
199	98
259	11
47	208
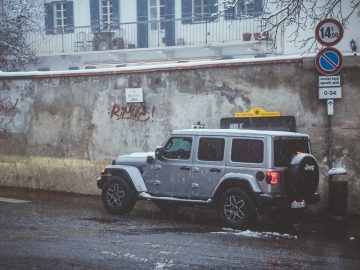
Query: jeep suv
239	172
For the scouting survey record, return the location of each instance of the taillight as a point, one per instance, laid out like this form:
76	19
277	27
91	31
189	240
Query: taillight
272	178
103	172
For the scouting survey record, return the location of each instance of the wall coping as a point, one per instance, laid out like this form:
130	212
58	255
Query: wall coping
164	66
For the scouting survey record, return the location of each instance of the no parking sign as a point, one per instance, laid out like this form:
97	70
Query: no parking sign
329	61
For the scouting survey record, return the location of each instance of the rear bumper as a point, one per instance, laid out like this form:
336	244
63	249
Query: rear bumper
266	200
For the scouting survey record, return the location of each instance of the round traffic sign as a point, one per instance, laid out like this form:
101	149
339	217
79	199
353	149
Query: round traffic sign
329	32
329	61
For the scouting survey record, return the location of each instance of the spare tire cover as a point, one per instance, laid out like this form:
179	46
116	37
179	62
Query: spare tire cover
303	176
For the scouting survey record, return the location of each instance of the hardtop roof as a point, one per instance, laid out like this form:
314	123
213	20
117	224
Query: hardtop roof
237	132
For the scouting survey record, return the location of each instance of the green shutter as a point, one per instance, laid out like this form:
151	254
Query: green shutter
95	15
258	7
49	18
213	10
116	14
70	17
170	22
142	24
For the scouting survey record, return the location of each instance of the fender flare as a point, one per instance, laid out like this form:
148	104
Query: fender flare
133	174
249	179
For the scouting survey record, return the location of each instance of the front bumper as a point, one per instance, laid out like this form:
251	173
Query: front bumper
279	200
101	181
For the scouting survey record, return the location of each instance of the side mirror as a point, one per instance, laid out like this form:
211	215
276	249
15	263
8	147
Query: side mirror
149	159
158	153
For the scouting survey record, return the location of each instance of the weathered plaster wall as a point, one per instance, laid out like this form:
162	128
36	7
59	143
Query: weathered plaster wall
57	132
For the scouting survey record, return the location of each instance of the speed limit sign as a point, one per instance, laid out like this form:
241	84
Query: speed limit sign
329	32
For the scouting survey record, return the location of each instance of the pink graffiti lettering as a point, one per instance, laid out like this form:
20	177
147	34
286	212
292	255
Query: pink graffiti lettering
8	110
133	112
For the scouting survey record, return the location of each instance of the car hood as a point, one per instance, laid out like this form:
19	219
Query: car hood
134	158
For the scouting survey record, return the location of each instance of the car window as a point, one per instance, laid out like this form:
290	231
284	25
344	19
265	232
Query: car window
178	148
211	149
286	148
247	150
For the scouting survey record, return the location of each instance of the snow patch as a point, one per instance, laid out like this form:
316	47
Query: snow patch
337	171
254	234
142	155
163	266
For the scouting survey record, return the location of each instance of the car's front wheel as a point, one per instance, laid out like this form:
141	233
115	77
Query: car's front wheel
118	196
236	208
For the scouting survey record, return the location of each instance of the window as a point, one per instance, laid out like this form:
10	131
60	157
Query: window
198	11
59	17
106	14
248	151
178	148
244	9
201	9
211	149
286	148
157	14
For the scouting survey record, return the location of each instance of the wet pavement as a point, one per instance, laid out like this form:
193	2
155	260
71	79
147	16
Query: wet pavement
67	231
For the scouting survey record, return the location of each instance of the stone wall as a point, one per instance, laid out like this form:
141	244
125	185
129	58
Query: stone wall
57	130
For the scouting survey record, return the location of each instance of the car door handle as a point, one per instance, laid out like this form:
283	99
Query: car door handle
215	170
157	182
157	167
186	168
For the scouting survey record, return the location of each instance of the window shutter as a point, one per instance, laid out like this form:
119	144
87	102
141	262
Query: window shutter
142	24
95	15
186	11
170	22
213	10
258	7
70	17
116	14
49	19
229	13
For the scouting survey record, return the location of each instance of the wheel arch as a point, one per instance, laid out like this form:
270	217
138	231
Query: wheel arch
240	182
131	174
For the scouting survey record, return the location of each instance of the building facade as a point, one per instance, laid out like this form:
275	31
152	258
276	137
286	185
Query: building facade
83	25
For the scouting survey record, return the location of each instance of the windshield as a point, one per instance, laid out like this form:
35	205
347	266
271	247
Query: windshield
286	148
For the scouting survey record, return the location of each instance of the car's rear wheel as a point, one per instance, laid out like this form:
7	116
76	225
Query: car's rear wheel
236	208
118	196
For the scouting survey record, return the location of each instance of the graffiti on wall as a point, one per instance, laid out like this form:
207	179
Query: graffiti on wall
137	112
8	111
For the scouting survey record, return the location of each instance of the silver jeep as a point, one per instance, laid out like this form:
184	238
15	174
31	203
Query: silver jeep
239	172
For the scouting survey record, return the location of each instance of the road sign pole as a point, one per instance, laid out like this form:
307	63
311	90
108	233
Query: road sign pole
329	141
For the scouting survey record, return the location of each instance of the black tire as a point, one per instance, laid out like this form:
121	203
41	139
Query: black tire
118	196
236	208
286	217
303	177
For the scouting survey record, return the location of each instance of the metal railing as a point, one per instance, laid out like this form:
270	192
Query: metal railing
188	32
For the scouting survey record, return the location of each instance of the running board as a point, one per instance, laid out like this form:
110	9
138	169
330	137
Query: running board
147	196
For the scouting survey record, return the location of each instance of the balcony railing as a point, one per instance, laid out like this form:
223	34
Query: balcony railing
146	34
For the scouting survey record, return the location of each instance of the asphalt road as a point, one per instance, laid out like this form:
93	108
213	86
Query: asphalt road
66	231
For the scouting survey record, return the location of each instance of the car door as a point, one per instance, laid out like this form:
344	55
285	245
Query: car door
208	165
171	176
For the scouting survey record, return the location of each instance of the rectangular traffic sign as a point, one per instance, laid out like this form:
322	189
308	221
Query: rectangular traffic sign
329	92
329	81
330	106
